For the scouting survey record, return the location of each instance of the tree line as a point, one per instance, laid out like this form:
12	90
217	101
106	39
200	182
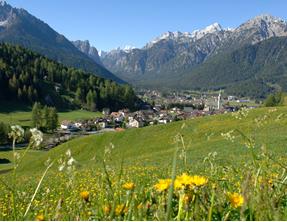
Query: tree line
276	99
29	77
44	118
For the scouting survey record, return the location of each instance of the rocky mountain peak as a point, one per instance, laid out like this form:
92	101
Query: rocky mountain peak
86	48
215	27
3	3
260	28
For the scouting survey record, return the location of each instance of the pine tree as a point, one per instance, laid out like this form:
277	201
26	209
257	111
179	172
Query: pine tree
37	115
90	100
79	95
19	94
3	133
53	118
45	118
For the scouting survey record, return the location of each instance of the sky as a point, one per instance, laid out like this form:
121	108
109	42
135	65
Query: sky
109	24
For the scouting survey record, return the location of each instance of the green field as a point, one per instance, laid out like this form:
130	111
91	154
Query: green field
145	155
23	118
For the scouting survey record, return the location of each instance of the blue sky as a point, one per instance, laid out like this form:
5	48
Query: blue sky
108	24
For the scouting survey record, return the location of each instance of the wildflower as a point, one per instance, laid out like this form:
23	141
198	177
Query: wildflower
242	113
61	167
36	138
162	185
129	186
236	199
17	133
40	217
270	182
68	153
199	180
120	209
106	209
85	195
71	161
229	136
186	181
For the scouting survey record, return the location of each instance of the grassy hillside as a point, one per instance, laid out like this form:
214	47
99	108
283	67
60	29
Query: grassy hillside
155	145
115	176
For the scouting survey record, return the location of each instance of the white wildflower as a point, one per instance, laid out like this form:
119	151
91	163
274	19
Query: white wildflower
68	153
229	136
242	113
71	161
272	110
61	167
36	138
250	144
17	133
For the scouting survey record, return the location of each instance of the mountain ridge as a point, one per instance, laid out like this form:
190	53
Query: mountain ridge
19	27
174	56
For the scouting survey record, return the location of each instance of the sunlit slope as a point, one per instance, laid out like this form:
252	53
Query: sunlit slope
155	145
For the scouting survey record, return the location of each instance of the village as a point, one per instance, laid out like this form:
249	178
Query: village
158	109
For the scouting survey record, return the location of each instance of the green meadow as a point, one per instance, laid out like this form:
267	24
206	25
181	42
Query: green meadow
22	115
240	160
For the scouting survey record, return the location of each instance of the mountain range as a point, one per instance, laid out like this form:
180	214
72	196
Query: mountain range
19	27
187	60
248	60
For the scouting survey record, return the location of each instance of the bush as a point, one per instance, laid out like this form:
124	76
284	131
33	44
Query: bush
3	133
276	99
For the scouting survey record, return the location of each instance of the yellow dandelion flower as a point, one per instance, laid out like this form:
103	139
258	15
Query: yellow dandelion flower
120	209
40	217
186	181
270	182
236	199
162	185
85	195
199	180
129	186
106	209
182	181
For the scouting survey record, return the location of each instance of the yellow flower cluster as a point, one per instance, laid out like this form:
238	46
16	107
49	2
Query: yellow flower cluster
40	217
181	182
186	181
162	185
129	186
121	209
236	200
85	195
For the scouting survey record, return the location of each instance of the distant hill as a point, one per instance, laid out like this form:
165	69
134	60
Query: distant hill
26	77
254	70
19	27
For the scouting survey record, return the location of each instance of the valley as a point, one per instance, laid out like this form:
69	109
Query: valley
191	126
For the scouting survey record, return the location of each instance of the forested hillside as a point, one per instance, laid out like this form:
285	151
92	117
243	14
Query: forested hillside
27	77
19	27
253	70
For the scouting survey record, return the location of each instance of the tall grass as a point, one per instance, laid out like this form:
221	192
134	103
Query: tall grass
252	188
